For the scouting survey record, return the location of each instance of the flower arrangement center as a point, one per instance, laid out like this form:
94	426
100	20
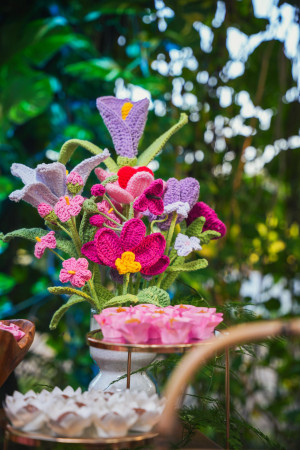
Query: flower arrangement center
126	110
127	264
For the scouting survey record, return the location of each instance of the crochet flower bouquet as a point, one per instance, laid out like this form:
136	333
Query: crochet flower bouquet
133	229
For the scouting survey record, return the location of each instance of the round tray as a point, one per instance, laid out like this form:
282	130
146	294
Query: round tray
95	339
32	439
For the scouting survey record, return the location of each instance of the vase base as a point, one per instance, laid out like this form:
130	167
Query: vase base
138	381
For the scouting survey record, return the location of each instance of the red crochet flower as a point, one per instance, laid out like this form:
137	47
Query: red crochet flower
107	247
151	199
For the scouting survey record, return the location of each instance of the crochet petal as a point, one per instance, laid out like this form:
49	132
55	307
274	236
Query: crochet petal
89	250
150	250
87	165
110	110
34	194
157	268
141	203
26	174
102	174
138	183
108	245
124	174
189	190
156	206
136	120
118	194
53	176
172	193
132	234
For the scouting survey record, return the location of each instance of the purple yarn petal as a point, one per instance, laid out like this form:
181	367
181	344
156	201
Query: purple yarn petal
34	194
87	165
189	190
54	176
172	192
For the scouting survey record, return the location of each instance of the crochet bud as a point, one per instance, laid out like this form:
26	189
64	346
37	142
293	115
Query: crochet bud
98	190
74	183
46	212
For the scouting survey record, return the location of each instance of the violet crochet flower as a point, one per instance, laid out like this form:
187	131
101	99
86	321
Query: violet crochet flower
47	241
184	191
75	271
97	220
125	120
186	245
67	207
212	222
148	251
48	182
151	199
131	183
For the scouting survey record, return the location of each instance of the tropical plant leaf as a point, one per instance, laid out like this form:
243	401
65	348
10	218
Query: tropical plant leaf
73	300
154	295
146	157
70	146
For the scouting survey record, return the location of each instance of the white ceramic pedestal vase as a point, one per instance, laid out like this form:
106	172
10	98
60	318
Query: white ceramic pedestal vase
113	365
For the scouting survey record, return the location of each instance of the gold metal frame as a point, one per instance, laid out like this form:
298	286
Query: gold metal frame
35	439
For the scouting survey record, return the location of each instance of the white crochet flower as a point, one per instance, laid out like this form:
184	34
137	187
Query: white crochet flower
182	208
185	245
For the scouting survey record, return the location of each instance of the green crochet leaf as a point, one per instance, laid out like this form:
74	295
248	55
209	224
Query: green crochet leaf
65	245
111	179
121	300
61	311
59	290
195	229
155	296
169	279
102	292
190	266
125	161
90	206
146	157
208	235
70	146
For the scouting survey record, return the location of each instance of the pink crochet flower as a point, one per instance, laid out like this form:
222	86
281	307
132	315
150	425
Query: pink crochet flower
107	247
151	199
44	209
131	183
47	241
97	220
212	222
97	190
75	178
13	329
75	271
67	207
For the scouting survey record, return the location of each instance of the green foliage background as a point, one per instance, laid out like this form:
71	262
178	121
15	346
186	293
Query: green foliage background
56	58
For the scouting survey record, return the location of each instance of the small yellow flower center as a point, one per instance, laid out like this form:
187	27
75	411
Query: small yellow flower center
38	239
133	321
110	211
183	307
172	320
67	200
120	309
71	272
127	263
67	172
159	312
126	110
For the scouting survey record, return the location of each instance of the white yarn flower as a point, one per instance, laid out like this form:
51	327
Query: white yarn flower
186	245
182	208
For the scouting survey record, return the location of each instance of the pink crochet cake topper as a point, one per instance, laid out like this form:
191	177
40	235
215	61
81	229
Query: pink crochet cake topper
124	240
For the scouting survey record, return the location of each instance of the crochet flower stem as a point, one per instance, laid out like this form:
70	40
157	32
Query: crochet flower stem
169	240
64	229
112	228
56	254
108	218
75	235
113	206
125	283
137	282
157	221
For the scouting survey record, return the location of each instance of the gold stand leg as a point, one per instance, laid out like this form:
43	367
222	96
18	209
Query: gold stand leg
128	369
227	395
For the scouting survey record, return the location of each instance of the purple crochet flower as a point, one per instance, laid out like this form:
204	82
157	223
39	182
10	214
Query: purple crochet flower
48	182
177	193
151	199
212	222
125	120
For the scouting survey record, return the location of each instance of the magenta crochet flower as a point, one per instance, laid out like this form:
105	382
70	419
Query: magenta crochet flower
47	241
67	207
97	190
97	220
131	249
151	199
212	222
125	120
75	271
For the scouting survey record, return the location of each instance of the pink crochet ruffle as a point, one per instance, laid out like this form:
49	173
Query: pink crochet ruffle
212	222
